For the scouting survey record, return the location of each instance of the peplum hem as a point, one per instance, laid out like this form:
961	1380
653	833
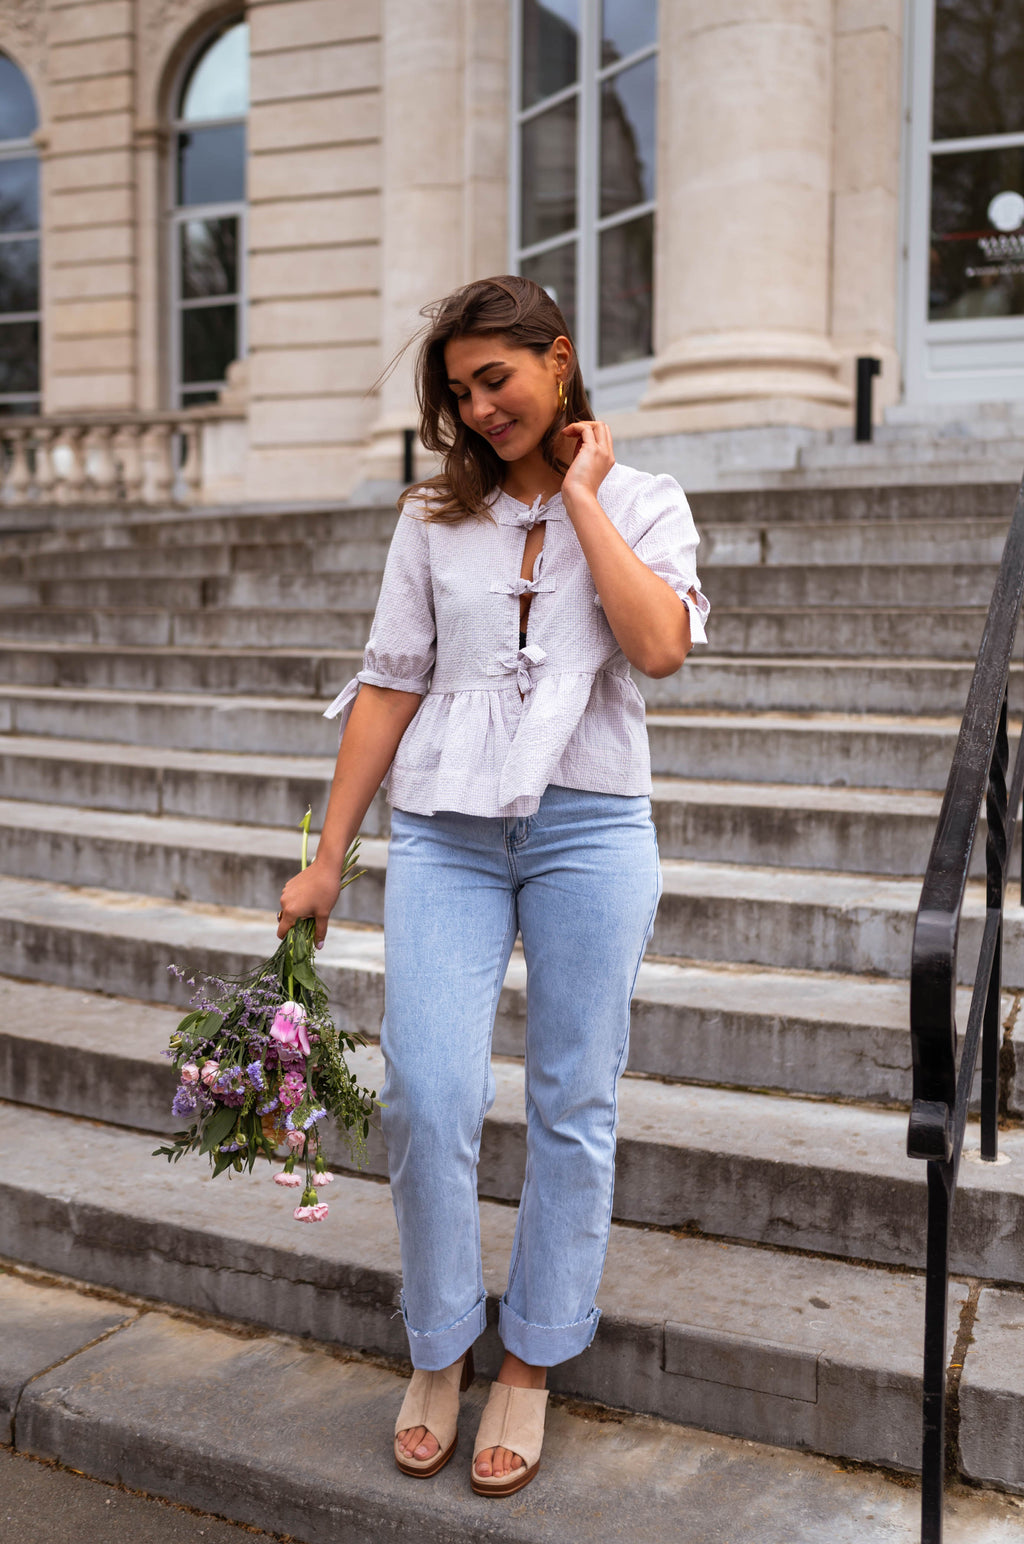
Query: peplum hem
487	752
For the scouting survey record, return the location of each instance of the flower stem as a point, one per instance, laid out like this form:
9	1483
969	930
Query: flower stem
304	828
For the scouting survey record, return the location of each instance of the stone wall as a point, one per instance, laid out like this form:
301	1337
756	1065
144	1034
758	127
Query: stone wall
378	155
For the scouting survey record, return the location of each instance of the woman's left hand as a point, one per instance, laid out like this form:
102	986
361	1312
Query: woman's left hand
593	457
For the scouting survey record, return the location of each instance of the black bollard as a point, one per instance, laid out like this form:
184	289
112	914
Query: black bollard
867	369
408	444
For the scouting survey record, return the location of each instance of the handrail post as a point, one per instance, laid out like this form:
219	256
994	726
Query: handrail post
936	1311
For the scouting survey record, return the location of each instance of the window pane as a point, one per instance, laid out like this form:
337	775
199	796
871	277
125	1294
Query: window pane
628	137
19	194
218	86
211	165
24	409
627	265
979	64
209	342
19	275
550	47
209	258
548	174
18	116
555	271
977	235
198	397
627	25
19	356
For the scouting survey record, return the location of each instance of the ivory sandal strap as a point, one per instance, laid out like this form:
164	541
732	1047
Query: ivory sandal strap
513	1418
432	1400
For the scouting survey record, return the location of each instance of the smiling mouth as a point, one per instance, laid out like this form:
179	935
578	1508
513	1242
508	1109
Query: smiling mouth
500	432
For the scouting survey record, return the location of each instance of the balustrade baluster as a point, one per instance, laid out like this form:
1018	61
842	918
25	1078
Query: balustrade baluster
128	454
18	480
45	476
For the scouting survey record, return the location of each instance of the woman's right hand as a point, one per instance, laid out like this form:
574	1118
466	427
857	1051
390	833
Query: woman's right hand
311	893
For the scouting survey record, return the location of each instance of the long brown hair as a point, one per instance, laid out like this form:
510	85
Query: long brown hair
523	313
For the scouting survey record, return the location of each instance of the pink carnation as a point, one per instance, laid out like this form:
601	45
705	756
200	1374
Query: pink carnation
304	1213
210	1073
287	1179
295	1139
318	1212
323	1177
190	1073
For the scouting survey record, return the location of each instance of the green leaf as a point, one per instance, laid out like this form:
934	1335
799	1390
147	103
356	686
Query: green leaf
218	1127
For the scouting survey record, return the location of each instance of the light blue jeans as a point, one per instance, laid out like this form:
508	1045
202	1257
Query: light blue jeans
580	880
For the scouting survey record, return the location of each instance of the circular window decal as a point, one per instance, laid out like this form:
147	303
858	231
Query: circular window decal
1006	211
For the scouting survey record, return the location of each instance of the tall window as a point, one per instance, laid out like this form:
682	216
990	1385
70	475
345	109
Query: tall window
208	226
19	244
583	183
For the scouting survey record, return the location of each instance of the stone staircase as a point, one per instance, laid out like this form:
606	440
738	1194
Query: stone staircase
163	680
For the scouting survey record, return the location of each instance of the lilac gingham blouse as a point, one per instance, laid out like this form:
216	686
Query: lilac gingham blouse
498	723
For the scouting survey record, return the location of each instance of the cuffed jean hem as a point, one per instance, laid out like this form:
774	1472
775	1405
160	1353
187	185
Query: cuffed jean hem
545	1345
435	1349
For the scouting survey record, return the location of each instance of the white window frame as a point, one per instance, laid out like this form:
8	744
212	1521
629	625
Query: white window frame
967	360
611	387
182	214
21	150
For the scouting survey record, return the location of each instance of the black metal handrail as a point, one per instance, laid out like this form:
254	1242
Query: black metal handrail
941	1093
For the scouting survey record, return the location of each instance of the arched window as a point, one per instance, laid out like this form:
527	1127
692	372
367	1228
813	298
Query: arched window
19	243
208	225
583	187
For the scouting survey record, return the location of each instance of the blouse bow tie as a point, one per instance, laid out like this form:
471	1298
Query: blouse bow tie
519	586
523	662
528	518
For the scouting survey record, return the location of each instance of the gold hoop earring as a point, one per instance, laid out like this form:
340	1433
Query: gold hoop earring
561	396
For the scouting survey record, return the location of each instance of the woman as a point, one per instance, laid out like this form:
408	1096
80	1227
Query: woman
496	705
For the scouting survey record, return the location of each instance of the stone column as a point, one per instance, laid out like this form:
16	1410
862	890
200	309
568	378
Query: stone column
865	257
743	271
423	242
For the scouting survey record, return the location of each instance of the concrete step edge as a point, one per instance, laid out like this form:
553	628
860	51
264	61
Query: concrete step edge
736	1164
689	1324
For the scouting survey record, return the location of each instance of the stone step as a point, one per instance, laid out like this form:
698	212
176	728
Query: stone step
831	749
937	633
790	919
859	830
707	681
347	590
149	1399
825	749
910	686
727	1163
913	543
242	628
832	1349
812	1033
201	560
304	580
317	673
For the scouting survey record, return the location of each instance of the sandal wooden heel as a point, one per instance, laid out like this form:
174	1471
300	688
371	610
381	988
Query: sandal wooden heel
432	1400
513	1418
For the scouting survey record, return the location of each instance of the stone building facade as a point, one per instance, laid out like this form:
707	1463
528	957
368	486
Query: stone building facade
248	203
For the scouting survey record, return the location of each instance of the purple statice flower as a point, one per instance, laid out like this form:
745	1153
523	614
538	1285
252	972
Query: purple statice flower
184	1101
230	1088
271	1104
312	1118
254	1072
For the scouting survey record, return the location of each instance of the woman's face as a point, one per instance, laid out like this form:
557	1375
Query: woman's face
505	393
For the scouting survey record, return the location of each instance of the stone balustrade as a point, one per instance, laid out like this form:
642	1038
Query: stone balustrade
109	458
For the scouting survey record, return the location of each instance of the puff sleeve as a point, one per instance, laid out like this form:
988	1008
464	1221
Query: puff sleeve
402	644
661	531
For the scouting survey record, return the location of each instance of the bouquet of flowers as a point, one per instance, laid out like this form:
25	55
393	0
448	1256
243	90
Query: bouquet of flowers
261	1065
